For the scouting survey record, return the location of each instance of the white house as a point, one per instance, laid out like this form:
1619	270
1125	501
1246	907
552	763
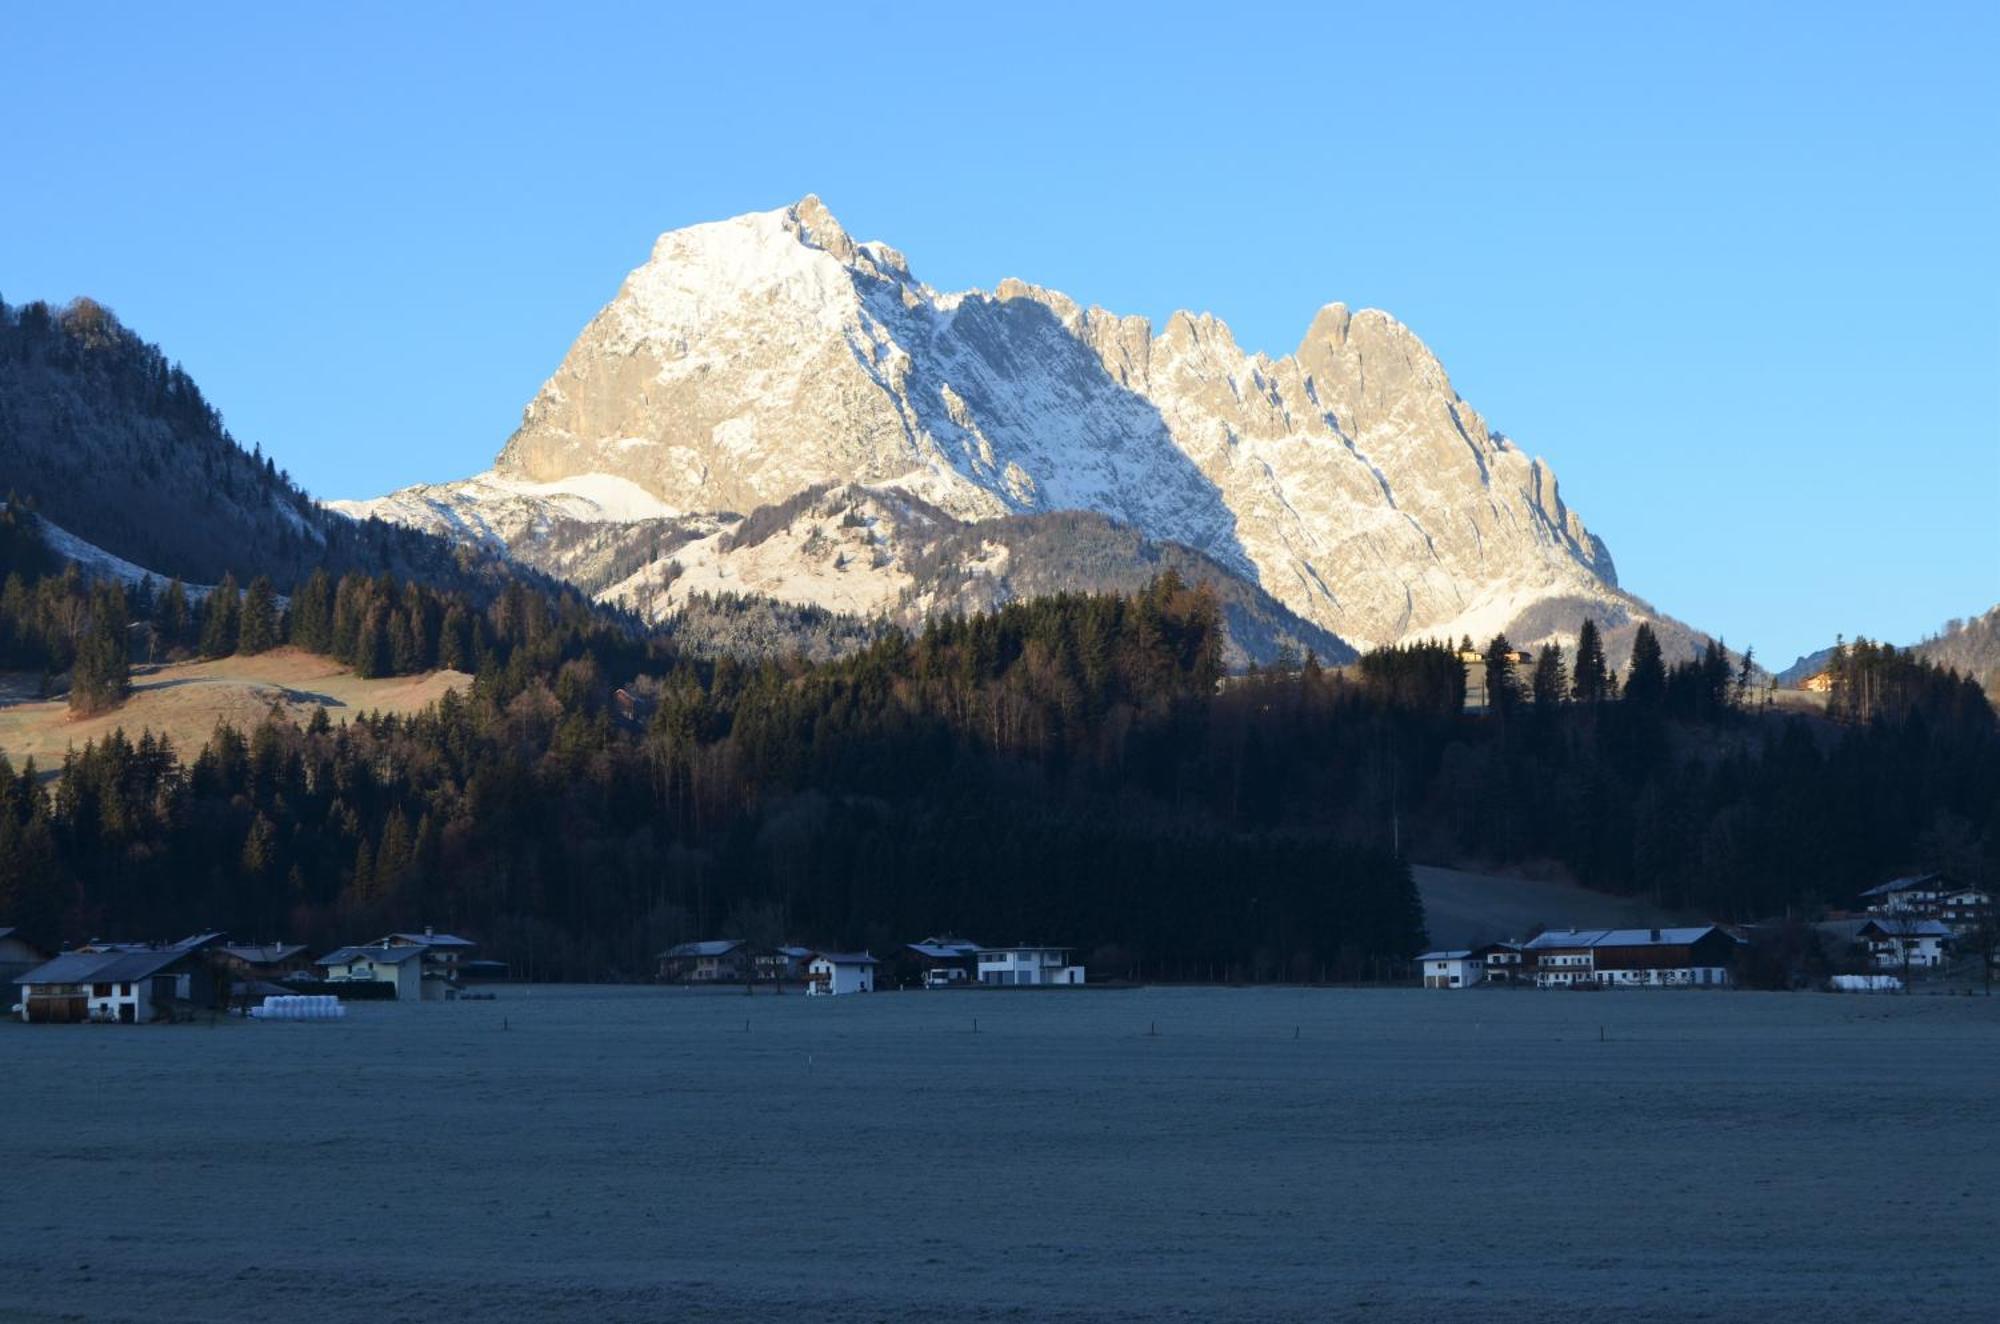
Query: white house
1027	966
132	987
1502	961
1917	894
830	974
1453	969
1886	940
400	967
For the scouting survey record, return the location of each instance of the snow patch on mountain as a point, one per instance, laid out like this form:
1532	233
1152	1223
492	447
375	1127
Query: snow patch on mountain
498	509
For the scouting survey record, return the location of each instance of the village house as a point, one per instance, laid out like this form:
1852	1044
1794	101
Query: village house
1888	942
269	962
17	955
1701	956
782	965
402	968
942	962
716	961
1027	966
832	974
1502	962
132	987
1936	896
1452	969
444	953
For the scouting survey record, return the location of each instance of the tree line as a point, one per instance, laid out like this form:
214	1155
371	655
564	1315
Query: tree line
1071	769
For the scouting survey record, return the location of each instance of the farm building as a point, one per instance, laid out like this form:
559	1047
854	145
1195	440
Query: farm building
830	974
1701	956
1027	966
716	961
1452	969
17	955
130	987
401	967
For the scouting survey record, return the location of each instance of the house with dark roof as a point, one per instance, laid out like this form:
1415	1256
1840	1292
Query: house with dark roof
131	987
1502	962
269	961
940	962
1888	942
713	961
1934	895
400	967
781	965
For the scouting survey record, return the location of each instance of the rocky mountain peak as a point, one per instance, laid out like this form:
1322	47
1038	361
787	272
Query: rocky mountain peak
753	358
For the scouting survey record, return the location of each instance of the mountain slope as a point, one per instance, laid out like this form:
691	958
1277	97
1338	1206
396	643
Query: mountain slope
118	449
750	359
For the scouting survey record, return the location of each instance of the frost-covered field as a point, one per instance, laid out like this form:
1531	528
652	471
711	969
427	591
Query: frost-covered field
1270	1154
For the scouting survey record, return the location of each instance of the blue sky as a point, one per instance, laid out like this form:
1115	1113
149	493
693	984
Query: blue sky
1733	274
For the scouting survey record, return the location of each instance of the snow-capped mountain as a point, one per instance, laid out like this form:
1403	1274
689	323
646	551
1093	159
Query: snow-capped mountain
754	358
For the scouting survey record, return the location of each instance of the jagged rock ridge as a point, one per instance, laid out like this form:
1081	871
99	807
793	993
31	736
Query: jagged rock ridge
750	359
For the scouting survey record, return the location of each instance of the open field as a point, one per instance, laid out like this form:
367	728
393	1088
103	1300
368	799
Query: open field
1464	909
185	700
638	1153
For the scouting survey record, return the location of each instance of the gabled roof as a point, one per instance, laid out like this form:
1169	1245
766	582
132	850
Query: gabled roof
1888	926
713	947
424	940
947	949
1022	947
792	953
1681	937
268	954
1455	955
1916	882
379	955
102	967
845	958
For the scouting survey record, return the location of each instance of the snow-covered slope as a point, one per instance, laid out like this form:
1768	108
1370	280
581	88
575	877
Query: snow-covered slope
753	358
499	510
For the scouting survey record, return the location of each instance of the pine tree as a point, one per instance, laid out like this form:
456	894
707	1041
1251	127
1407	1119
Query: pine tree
1550	682
1503	687
1646	676
258	631
171	617
1589	681
312	614
220	618
102	675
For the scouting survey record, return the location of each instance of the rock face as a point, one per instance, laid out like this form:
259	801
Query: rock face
753	358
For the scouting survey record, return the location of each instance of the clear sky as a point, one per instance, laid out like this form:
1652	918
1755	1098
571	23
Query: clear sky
1731	269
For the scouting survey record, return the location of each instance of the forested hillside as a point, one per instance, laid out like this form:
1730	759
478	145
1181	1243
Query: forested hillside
1068	770
115	444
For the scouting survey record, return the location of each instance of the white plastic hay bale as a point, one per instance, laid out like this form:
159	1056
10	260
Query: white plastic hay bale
300	1007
